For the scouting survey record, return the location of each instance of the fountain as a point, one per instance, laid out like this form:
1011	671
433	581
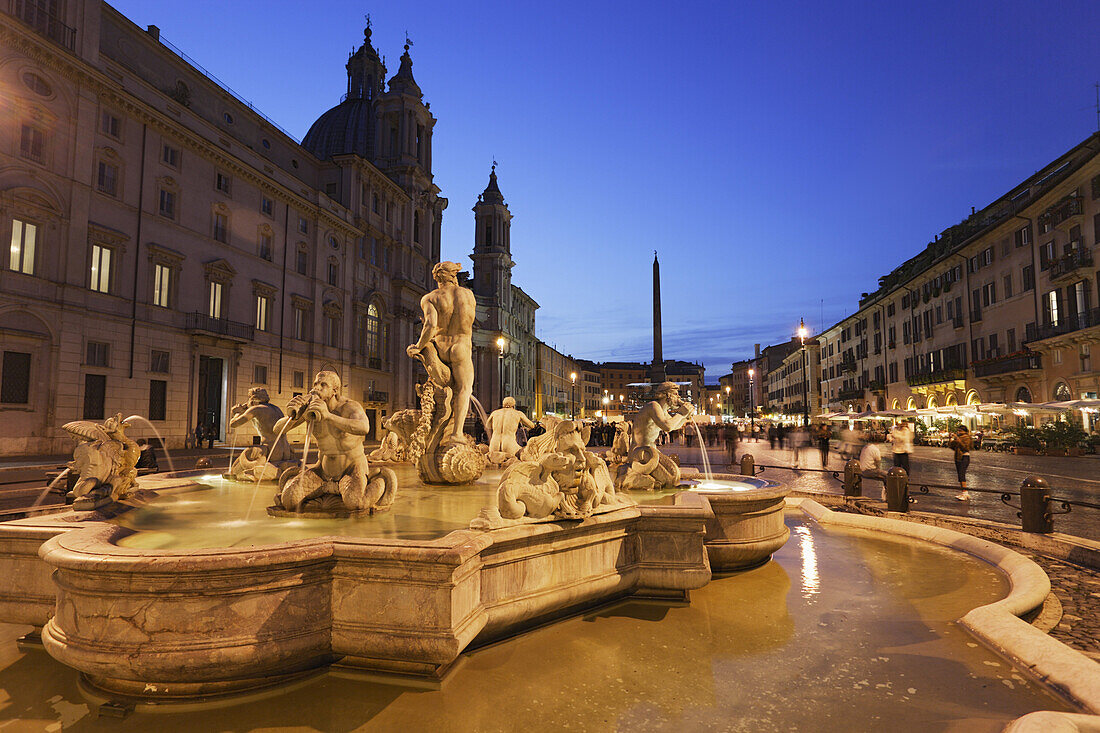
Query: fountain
465	554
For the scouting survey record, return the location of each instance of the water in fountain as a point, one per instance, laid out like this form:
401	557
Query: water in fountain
50	486
703	450
481	414
267	461
151	426
232	446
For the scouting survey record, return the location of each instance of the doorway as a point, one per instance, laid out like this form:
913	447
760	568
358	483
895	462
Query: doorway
211	383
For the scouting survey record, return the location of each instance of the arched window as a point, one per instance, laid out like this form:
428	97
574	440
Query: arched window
372	341
931	401
1023	394
1061	392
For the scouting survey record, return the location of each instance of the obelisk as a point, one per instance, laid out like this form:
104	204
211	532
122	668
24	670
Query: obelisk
657	368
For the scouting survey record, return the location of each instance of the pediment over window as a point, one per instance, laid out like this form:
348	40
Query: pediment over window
301	303
219	270
161	255
259	287
108	236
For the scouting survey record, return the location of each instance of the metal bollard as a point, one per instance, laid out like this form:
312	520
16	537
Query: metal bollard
1035	505
853	479
748	465
897	490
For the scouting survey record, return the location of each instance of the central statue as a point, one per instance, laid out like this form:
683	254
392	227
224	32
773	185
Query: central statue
646	467
442	452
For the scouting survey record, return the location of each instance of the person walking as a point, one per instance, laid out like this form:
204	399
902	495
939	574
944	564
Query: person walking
901	436
823	435
961	443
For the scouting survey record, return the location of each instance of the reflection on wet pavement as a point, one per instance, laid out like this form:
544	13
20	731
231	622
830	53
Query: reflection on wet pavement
845	630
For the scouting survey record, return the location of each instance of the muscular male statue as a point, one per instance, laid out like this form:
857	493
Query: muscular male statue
263	415
504	423
338	426
666	413
445	345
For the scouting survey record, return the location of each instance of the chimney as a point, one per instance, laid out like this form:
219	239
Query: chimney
154	32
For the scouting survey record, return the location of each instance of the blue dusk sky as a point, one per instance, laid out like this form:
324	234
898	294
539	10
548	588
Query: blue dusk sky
780	156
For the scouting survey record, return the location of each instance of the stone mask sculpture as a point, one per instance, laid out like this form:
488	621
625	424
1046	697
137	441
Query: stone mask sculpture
441	451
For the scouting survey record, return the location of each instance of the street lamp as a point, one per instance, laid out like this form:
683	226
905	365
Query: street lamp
727	400
500	358
573	395
802	334
752	407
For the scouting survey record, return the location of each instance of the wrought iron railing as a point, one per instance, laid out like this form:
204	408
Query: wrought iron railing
45	23
1006	364
220	326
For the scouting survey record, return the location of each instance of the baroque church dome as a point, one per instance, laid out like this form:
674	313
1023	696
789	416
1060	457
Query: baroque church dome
343	129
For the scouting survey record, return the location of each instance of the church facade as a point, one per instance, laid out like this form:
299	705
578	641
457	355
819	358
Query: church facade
170	247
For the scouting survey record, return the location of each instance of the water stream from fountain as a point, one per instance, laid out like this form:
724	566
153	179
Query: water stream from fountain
703	450
151	426
481	414
267	462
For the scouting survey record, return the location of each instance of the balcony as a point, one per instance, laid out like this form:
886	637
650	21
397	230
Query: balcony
220	326
378	396
850	394
936	377
1063	211
45	24
1069	264
1017	362
1069	324
877	385
374	362
848	365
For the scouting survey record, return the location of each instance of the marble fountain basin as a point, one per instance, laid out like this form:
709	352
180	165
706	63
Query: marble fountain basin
201	594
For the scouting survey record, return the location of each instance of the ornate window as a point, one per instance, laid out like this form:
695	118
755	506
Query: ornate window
166	264
24	237
263	294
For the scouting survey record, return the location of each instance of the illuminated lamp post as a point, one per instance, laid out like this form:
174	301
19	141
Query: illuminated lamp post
573	396
500	359
727	411
802	334
752	407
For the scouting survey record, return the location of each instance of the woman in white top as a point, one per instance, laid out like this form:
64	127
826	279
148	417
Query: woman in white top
902	438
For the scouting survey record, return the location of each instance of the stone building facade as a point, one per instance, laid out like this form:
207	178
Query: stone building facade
1000	307
170	247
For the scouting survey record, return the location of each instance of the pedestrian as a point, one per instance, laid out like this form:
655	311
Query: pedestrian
961	443
773	435
823	435
901	436
211	434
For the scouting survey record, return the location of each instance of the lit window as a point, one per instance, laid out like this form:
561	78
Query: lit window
374	327
107	180
215	301
100	280
261	312
22	247
162	280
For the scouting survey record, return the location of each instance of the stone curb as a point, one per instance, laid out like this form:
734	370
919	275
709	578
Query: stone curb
1066	671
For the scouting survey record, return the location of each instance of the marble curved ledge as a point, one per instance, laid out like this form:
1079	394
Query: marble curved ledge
1066	671
747	526
183	624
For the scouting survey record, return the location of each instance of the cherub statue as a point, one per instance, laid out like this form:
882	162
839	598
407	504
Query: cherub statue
104	459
